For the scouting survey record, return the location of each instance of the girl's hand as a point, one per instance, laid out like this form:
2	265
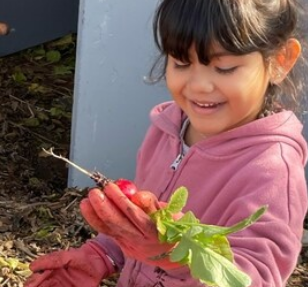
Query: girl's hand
112	213
84	266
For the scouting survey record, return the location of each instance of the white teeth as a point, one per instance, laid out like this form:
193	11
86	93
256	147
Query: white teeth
207	105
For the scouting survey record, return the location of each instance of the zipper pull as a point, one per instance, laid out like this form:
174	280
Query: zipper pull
177	161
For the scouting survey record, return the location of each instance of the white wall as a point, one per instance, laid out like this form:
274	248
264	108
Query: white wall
111	101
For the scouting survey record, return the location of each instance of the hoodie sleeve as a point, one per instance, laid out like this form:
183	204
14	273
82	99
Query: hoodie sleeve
268	250
112	250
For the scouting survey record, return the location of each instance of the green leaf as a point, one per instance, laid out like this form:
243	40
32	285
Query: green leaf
208	266
42	116
218	243
161	226
180	251
62	70
204	248
222	230
64	41
211	230
13	263
178	200
173	234
246	222
31	122
39	51
188	218
53	56
37	89
44	232
19	77
56	112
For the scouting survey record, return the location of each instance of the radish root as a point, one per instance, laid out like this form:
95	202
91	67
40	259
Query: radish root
100	179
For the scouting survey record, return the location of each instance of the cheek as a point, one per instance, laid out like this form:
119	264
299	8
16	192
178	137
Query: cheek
173	83
257	82
248	90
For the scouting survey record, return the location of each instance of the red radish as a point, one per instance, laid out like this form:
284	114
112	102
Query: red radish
126	186
146	200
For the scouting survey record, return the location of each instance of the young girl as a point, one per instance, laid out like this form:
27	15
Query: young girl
229	135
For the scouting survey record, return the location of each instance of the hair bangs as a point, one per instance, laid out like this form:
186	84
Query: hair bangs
183	23
180	25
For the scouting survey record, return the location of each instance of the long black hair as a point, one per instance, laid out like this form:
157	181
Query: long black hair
239	26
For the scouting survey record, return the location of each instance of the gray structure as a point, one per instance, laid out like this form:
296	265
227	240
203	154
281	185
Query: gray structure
33	22
115	51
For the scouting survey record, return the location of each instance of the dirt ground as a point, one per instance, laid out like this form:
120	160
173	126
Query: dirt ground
38	214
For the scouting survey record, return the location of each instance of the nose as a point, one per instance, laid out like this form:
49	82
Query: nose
200	80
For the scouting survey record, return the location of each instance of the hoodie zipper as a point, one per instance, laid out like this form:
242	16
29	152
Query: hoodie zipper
177	161
174	166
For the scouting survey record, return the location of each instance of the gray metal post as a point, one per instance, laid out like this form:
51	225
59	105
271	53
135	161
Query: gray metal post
115	51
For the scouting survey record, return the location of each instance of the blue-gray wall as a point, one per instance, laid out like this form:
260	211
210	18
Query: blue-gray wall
115	51
33	22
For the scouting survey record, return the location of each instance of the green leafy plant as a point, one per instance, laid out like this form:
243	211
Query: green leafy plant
204	248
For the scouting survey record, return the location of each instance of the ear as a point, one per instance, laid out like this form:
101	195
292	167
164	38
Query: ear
285	60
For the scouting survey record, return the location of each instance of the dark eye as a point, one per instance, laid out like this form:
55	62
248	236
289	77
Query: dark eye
225	71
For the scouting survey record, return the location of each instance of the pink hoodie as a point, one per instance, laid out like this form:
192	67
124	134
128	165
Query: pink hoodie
228	177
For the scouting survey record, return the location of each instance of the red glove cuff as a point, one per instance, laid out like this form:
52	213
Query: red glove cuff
110	266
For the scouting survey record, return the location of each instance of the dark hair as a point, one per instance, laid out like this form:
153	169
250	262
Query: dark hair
239	26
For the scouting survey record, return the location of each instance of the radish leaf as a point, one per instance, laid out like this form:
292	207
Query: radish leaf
204	248
177	200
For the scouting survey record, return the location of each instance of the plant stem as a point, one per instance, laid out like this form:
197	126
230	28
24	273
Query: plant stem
51	153
100	179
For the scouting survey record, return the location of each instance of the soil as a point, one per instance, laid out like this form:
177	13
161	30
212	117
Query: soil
38	213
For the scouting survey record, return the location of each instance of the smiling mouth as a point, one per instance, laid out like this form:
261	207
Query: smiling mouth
207	105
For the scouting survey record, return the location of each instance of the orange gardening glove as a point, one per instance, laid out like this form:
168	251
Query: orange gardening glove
84	266
112	213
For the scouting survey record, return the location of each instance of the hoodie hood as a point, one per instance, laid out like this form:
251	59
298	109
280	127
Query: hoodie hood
283	127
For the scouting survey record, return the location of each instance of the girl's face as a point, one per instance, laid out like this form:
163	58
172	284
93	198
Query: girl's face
227	93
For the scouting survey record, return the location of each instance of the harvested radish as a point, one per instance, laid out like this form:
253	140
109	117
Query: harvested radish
147	201
126	186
